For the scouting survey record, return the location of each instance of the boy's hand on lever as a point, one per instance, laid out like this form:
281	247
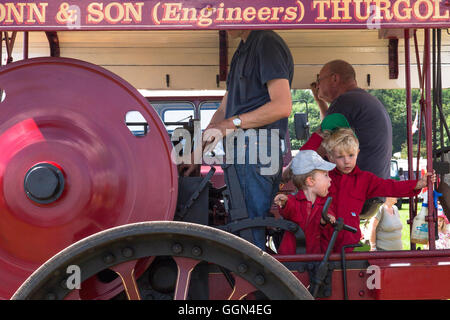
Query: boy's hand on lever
331	219
422	183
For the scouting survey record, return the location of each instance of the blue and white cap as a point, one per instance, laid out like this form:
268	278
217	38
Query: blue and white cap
306	161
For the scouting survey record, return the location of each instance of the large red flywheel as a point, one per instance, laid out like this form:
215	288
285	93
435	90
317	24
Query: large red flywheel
70	166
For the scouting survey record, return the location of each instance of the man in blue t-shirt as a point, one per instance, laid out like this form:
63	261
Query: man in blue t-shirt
258	97
336	85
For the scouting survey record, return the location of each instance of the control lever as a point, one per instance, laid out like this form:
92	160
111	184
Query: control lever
322	270
327	220
196	194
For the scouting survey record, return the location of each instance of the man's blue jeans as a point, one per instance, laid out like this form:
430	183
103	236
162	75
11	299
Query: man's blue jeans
258	186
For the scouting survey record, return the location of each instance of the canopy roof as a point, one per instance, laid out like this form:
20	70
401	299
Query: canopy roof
225	14
176	45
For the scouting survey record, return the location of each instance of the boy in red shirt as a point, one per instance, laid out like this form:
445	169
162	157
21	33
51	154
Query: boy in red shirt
351	187
312	181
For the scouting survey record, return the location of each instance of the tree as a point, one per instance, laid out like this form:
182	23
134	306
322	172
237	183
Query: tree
301	101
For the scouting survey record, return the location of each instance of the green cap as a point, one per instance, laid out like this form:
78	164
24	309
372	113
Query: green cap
334	121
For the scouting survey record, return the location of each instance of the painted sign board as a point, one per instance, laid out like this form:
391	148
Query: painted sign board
219	15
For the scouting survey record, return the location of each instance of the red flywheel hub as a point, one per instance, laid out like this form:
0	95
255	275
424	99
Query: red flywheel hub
70	166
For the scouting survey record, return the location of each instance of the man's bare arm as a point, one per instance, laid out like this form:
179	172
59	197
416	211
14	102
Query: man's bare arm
219	115
279	106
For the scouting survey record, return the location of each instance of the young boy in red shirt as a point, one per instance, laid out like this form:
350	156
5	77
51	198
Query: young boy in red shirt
310	176
351	187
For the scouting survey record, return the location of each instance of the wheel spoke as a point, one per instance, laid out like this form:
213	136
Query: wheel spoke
126	272
185	267
73	295
241	289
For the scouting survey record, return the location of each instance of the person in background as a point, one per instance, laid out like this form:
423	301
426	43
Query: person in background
336	91
385	229
443	230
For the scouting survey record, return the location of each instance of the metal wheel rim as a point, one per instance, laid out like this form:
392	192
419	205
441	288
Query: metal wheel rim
179	239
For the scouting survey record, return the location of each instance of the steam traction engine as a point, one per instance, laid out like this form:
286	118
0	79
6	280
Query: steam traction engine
74	169
83	193
89	209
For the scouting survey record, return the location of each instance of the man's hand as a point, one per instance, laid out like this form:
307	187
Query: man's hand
216	132
422	183
323	106
315	90
186	169
280	200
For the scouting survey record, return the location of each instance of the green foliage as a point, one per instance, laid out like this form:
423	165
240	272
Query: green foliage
393	100
302	100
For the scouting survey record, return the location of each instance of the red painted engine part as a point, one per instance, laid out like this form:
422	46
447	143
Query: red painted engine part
70	116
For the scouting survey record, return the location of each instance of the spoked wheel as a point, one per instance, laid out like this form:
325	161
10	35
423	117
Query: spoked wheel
186	247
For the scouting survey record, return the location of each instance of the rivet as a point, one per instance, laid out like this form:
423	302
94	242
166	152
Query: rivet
177	248
196	251
361	293
242	268
127	252
259	280
361	274
109	258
